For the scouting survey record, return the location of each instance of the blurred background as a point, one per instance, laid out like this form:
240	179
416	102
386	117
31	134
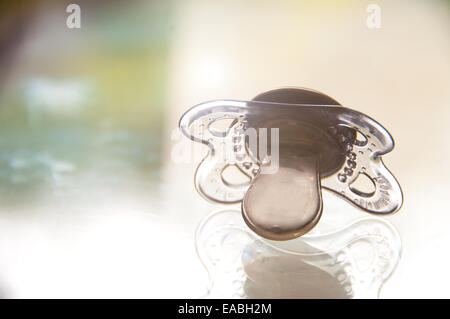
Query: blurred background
92	202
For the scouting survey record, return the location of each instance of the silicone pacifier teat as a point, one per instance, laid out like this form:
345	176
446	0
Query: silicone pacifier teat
285	204
305	140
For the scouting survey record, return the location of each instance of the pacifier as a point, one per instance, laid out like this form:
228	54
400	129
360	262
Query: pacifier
289	144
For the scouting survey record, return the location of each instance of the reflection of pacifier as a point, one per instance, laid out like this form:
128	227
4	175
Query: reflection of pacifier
304	140
352	262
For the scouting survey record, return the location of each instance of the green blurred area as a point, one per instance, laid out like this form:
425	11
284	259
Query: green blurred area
83	106
120	51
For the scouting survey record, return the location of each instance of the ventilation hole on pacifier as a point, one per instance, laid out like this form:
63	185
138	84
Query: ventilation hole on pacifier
221	126
233	176
360	139
363	185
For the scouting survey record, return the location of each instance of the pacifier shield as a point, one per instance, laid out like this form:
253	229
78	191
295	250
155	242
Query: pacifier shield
320	144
